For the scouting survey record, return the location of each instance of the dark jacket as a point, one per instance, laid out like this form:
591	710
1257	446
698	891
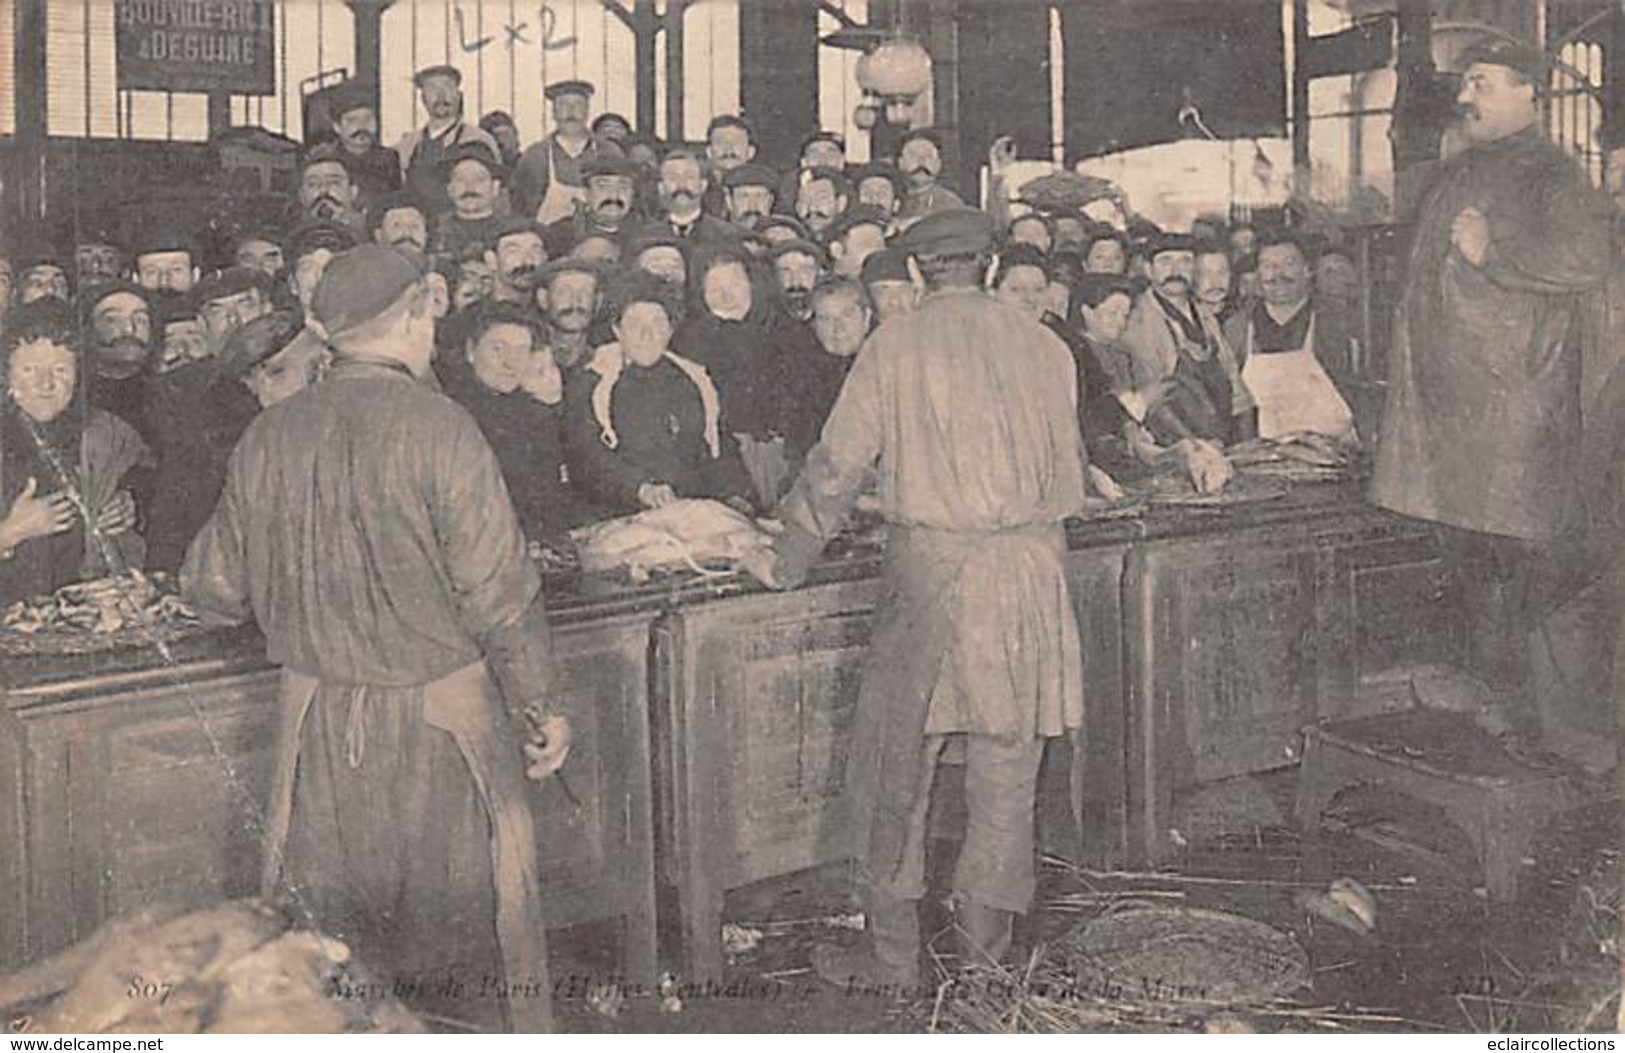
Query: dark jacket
659	423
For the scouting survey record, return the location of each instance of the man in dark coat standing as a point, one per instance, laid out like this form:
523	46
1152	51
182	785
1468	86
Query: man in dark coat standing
1484	418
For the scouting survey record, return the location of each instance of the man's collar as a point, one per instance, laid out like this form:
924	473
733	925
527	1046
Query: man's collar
1173	307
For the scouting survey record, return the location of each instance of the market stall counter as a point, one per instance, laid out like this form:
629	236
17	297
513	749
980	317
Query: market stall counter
712	718
140	776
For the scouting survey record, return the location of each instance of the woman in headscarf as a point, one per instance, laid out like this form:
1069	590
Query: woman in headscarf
644	424
731	331
60	461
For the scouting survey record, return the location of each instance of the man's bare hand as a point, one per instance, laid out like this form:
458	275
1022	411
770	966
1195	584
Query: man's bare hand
118	515
758	562
1470	234
656	495
547	745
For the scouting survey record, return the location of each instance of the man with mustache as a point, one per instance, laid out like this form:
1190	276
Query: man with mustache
399	222
919	158
164	258
1292	345
798	266
1169	339
119	317
423	152
474	180
608	209
516	257
730	142
97	257
327	193
569	295
259	248
880	184
376	169
822	194
682	190
750	194
549	181
1490	409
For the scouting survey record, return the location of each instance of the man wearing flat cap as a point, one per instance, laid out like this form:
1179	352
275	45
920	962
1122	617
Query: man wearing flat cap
516	257
375	169
548	182
1173	342
327	190
423	152
965	410
607	210
750	194
474	180
1490	385
568	293
365	527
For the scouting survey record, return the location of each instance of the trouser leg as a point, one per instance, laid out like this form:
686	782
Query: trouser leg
1492	575
995	866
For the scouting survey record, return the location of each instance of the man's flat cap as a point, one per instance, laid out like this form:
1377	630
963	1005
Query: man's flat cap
887	265
949	232
436	71
568	265
1168	241
233	281
797	228
360	285
95	294
857	216
351	95
1515	55
568	87
257	342
473	152
308	237
807	248
162	236
751	175
607	164
506	226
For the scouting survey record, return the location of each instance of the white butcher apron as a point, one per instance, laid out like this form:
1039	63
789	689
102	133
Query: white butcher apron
560	200
1293	391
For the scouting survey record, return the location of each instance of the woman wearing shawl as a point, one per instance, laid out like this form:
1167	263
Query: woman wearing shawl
732	331
59	457
643	424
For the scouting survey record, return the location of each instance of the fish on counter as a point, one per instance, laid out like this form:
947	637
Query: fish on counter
104	606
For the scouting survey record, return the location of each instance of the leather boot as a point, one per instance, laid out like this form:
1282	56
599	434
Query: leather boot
983	931
891	959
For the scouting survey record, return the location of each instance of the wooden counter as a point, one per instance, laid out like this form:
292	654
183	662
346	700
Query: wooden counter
146	783
1210	636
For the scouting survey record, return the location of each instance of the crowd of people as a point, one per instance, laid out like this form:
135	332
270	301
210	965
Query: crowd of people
628	322
327	426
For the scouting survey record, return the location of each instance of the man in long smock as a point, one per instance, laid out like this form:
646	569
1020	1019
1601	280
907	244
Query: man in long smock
365	526
1487	383
966	409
